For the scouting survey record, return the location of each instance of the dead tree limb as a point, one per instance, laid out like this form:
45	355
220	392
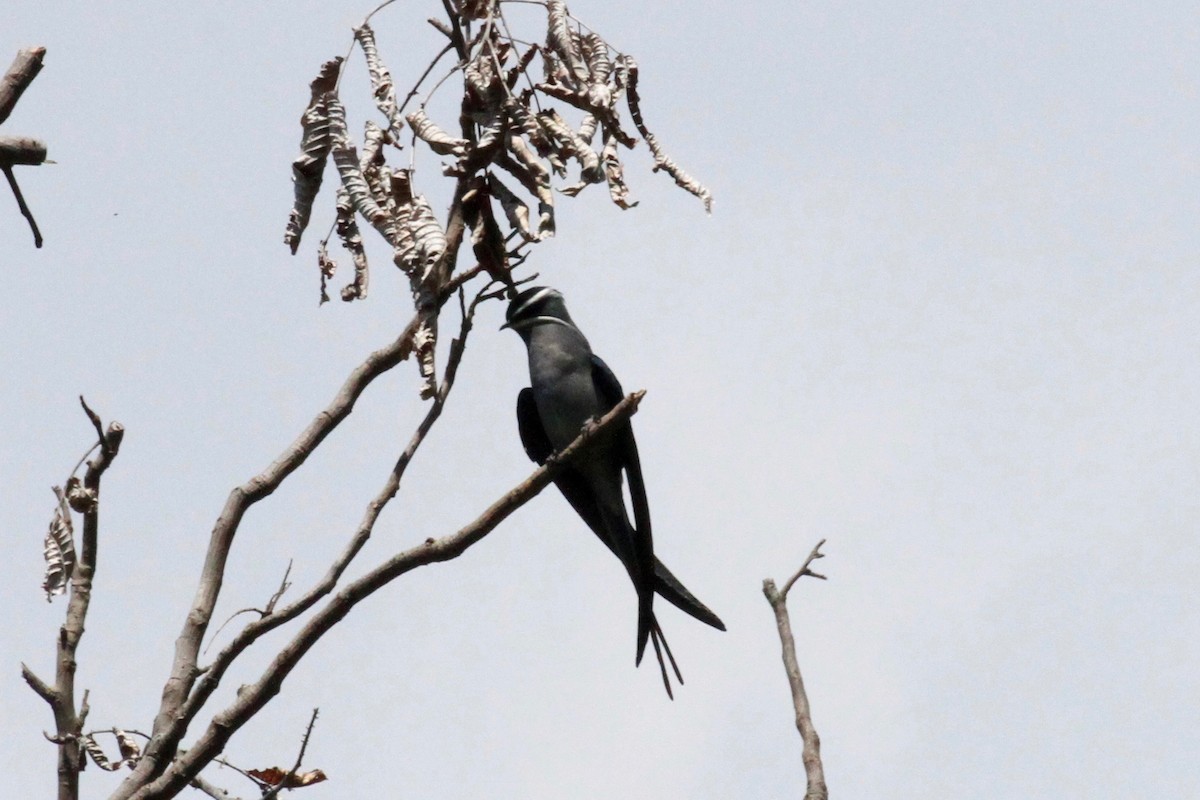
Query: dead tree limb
18	149
68	721
808	733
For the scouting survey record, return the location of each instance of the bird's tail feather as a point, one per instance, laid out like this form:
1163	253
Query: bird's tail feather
675	593
661	646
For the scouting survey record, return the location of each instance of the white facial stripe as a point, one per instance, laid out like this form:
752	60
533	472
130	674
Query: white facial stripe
545	292
531	321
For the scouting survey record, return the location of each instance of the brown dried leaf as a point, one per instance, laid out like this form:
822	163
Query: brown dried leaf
438	140
59	550
487	242
382	87
351	239
475	9
80	499
514	74
514	209
627	77
558	36
94	750
274	776
525	167
315	143
682	179
130	751
421	242
327	266
615	174
345	157
425	346
572	145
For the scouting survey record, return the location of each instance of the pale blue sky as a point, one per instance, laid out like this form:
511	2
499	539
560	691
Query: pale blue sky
945	315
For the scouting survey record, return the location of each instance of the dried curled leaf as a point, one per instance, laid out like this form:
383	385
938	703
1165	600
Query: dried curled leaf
627	75
615	174
514	74
327	266
572	145
425	346
59	550
514	209
421	241
345	156
476	9
348	233
558	36
523	165
126	745
382	87
130	751
682	179
595	52
315	143
79	498
487	242
438	140
274	776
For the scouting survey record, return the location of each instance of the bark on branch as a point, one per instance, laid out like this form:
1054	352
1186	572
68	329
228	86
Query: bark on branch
808	733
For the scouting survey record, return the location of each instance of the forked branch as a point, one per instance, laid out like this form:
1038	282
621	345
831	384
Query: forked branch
20	150
808	733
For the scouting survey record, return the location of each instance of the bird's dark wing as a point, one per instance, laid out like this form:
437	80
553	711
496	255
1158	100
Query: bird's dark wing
610	392
624	448
666	584
529	423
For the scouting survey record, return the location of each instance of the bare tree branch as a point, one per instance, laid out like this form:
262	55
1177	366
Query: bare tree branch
253	697
20	150
169	724
61	697
808	733
214	672
24	69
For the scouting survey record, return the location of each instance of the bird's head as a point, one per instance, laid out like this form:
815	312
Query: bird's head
539	305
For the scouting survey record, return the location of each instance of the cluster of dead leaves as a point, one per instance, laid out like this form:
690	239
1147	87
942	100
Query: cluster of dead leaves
513	146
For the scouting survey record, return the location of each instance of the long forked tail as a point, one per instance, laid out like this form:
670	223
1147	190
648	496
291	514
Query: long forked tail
661	646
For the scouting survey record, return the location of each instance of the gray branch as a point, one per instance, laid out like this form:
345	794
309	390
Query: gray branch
813	768
18	149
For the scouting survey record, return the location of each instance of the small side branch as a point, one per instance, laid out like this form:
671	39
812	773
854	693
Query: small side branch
291	773
22	205
808	733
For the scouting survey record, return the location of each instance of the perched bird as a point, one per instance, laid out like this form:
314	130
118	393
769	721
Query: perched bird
569	387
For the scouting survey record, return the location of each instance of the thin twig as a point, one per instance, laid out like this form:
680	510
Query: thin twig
291	773
25	212
804	570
